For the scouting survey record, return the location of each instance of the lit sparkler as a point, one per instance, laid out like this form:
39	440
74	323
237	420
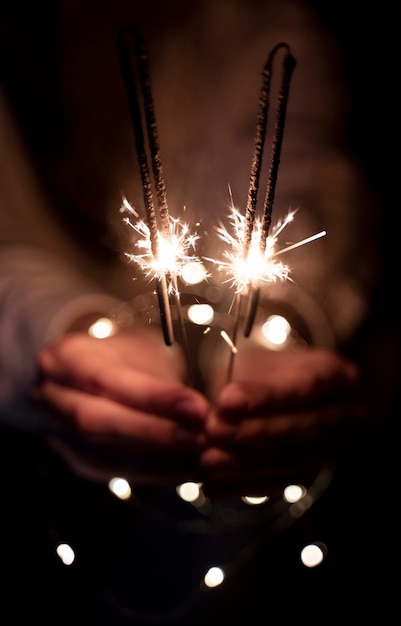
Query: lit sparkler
261	128
164	242
259	266
174	252
251	258
165	245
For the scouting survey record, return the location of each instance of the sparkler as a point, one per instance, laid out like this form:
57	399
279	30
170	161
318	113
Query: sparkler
164	248
251	258
288	67
260	266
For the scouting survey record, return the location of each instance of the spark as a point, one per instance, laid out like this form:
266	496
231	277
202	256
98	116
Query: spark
260	265
127	207
302	242
174	251
229	341
248	271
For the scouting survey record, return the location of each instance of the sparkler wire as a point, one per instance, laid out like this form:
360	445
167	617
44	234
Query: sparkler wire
237	317
254	181
288	67
143	73
140	74
129	76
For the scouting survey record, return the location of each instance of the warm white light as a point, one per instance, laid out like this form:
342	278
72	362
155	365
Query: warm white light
259	265
200	313
189	492
293	493
276	330
312	555
120	487
214	577
103	327
193	273
229	341
254	500
66	553
173	249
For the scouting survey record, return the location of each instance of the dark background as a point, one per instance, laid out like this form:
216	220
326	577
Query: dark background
356	517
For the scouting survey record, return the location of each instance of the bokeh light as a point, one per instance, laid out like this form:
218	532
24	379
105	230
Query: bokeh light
102	328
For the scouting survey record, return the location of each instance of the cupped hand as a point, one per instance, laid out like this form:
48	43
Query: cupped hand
118	406
283	417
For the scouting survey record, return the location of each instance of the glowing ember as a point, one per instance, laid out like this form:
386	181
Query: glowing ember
260	264
173	252
229	341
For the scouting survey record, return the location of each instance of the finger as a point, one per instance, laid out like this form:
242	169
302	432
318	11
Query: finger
142	391
78	352
94	415
148	393
220	462
318	430
280	393
102	463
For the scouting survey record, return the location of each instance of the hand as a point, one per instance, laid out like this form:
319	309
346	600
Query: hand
283	417
117	406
